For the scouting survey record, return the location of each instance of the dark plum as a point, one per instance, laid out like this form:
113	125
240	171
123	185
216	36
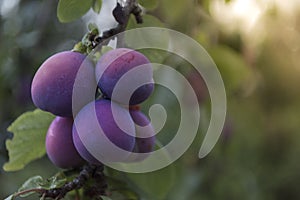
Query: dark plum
145	136
84	153
96	128
53	83
113	65
227	132
198	84
59	144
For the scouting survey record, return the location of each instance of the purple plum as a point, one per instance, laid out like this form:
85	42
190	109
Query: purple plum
59	144
53	83
113	65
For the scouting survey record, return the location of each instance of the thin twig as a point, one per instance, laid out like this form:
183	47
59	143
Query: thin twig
76	183
122	16
89	172
35	190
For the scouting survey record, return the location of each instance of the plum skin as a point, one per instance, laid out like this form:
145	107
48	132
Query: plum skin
81	149
88	127
59	144
114	64
143	144
52	85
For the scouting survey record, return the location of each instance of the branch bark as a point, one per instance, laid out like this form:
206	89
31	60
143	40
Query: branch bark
89	172
122	15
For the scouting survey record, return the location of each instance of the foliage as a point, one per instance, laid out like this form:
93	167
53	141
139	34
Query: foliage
69	10
31	126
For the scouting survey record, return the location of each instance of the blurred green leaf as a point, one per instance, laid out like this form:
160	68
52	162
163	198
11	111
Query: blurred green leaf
118	186
32	183
28	142
105	198
148	21
93	28
69	10
37	182
122	194
55	181
113	182
156	184
157	38
234	70
142	37
149	4
97	5
11	197
79	47
177	12
154	55
153	185
105	49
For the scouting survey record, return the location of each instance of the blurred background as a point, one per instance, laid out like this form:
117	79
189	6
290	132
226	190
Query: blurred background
256	46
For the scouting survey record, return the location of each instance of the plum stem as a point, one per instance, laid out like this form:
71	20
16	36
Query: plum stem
121	15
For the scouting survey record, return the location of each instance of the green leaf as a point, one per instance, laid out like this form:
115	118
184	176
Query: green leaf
70	10
93	28
142	37
11	197
119	189
125	193
153	185
156	184
32	183
176	12
79	47
97	5
148	21
37	182
105	198
28	142
149	4
236	73
105	49
55	181
155	55
118	186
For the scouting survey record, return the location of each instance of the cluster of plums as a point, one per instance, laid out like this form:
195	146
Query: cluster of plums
74	136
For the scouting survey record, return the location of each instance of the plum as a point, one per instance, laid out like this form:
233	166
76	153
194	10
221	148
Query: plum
59	144
145	137
96	125
53	83
113	65
82	150
145	134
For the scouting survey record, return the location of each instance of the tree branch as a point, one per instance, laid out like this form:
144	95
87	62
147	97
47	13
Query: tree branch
122	15
88	173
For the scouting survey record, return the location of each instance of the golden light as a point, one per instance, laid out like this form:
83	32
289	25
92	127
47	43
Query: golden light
249	16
